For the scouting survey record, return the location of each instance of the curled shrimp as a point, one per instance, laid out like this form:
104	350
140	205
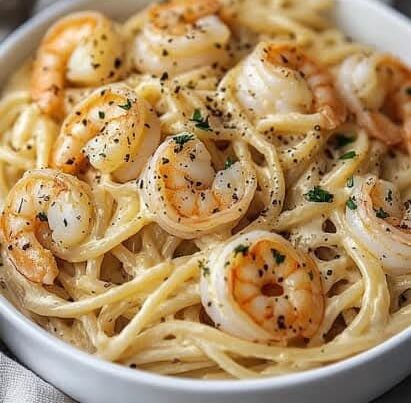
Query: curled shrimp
84	49
380	221
279	79
188	197
377	89
258	287
45	211
113	129
181	35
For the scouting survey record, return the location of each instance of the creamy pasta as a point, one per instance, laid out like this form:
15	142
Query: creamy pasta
211	189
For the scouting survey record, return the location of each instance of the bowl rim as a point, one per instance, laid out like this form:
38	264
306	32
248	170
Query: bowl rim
67	351
136	375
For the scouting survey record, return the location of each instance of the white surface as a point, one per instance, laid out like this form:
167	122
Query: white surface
19	385
91	380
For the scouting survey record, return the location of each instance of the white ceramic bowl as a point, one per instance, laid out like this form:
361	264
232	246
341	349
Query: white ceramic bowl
91	380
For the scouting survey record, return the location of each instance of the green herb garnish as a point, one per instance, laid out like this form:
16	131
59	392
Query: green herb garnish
380	213
197	117
350	182
101	114
200	122
229	161
351	204
348	155
182	139
319	195
343	140
279	258
204	269
126	106
241	249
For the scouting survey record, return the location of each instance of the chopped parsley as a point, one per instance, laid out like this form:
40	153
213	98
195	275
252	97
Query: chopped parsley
241	249
350	182
126	106
197	117
200	122
318	195
204	269
348	155
351	204
380	213
279	258
42	216
182	139
101	114
228	163
342	140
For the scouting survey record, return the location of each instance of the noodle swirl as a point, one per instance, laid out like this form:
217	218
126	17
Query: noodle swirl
198	191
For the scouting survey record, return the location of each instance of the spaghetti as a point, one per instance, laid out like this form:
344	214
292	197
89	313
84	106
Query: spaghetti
203	191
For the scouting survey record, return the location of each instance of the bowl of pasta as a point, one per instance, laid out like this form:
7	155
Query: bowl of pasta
287	278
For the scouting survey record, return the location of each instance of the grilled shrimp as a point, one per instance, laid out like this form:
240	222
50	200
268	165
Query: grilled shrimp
84	49
189	198
377	89
181	35
113	129
380	221
278	79
45	211
258	287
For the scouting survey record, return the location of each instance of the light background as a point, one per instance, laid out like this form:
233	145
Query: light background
14	12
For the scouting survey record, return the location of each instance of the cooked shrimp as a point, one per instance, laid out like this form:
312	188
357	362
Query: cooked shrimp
113	129
278	79
378	218
84	49
181	35
377	88
189	198
45	211
258	287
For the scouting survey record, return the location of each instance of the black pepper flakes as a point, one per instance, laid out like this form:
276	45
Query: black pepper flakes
117	63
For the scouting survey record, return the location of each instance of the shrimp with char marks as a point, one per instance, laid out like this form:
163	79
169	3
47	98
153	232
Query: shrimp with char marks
279	79
189	198
260	288
45	211
113	129
377	89
83	49
181	35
